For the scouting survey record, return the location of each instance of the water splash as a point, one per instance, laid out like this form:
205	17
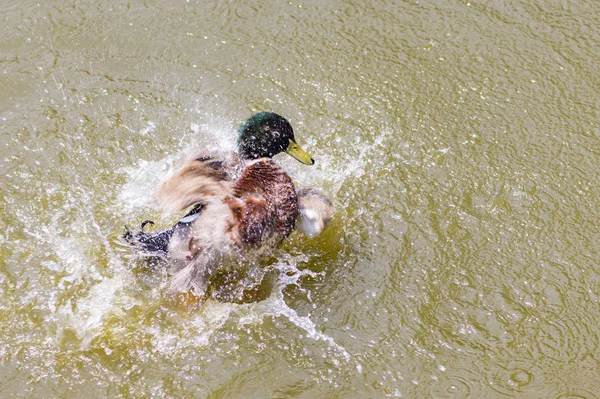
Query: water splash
101	295
275	306
142	180
86	315
197	329
218	136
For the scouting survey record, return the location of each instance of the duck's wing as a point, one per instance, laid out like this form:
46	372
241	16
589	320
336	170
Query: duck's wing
193	277
196	249
194	182
316	211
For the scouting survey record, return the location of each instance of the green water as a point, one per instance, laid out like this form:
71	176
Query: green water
459	142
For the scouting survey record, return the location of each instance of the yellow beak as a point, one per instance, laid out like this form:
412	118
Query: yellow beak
298	153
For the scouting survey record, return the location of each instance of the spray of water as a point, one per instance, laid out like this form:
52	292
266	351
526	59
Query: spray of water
219	137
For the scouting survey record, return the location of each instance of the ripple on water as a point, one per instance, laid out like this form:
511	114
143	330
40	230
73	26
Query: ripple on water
246	12
565	339
515	378
453	386
578	394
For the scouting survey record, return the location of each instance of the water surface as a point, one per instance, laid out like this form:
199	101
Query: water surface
459	142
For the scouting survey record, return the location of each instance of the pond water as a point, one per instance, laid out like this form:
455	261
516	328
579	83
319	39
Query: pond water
459	142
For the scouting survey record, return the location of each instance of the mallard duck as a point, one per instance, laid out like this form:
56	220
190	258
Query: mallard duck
242	207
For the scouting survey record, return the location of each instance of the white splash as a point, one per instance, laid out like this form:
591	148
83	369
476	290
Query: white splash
150	127
142	181
275	306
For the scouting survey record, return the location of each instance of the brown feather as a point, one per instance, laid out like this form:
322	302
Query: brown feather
270	204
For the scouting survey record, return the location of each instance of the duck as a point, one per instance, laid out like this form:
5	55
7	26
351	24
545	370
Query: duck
242	207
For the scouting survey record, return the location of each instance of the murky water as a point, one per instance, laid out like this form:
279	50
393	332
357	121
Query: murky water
459	142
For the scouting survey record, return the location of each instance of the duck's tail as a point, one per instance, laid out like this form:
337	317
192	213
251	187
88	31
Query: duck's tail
157	243
148	244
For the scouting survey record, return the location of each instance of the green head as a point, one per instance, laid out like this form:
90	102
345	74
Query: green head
266	134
